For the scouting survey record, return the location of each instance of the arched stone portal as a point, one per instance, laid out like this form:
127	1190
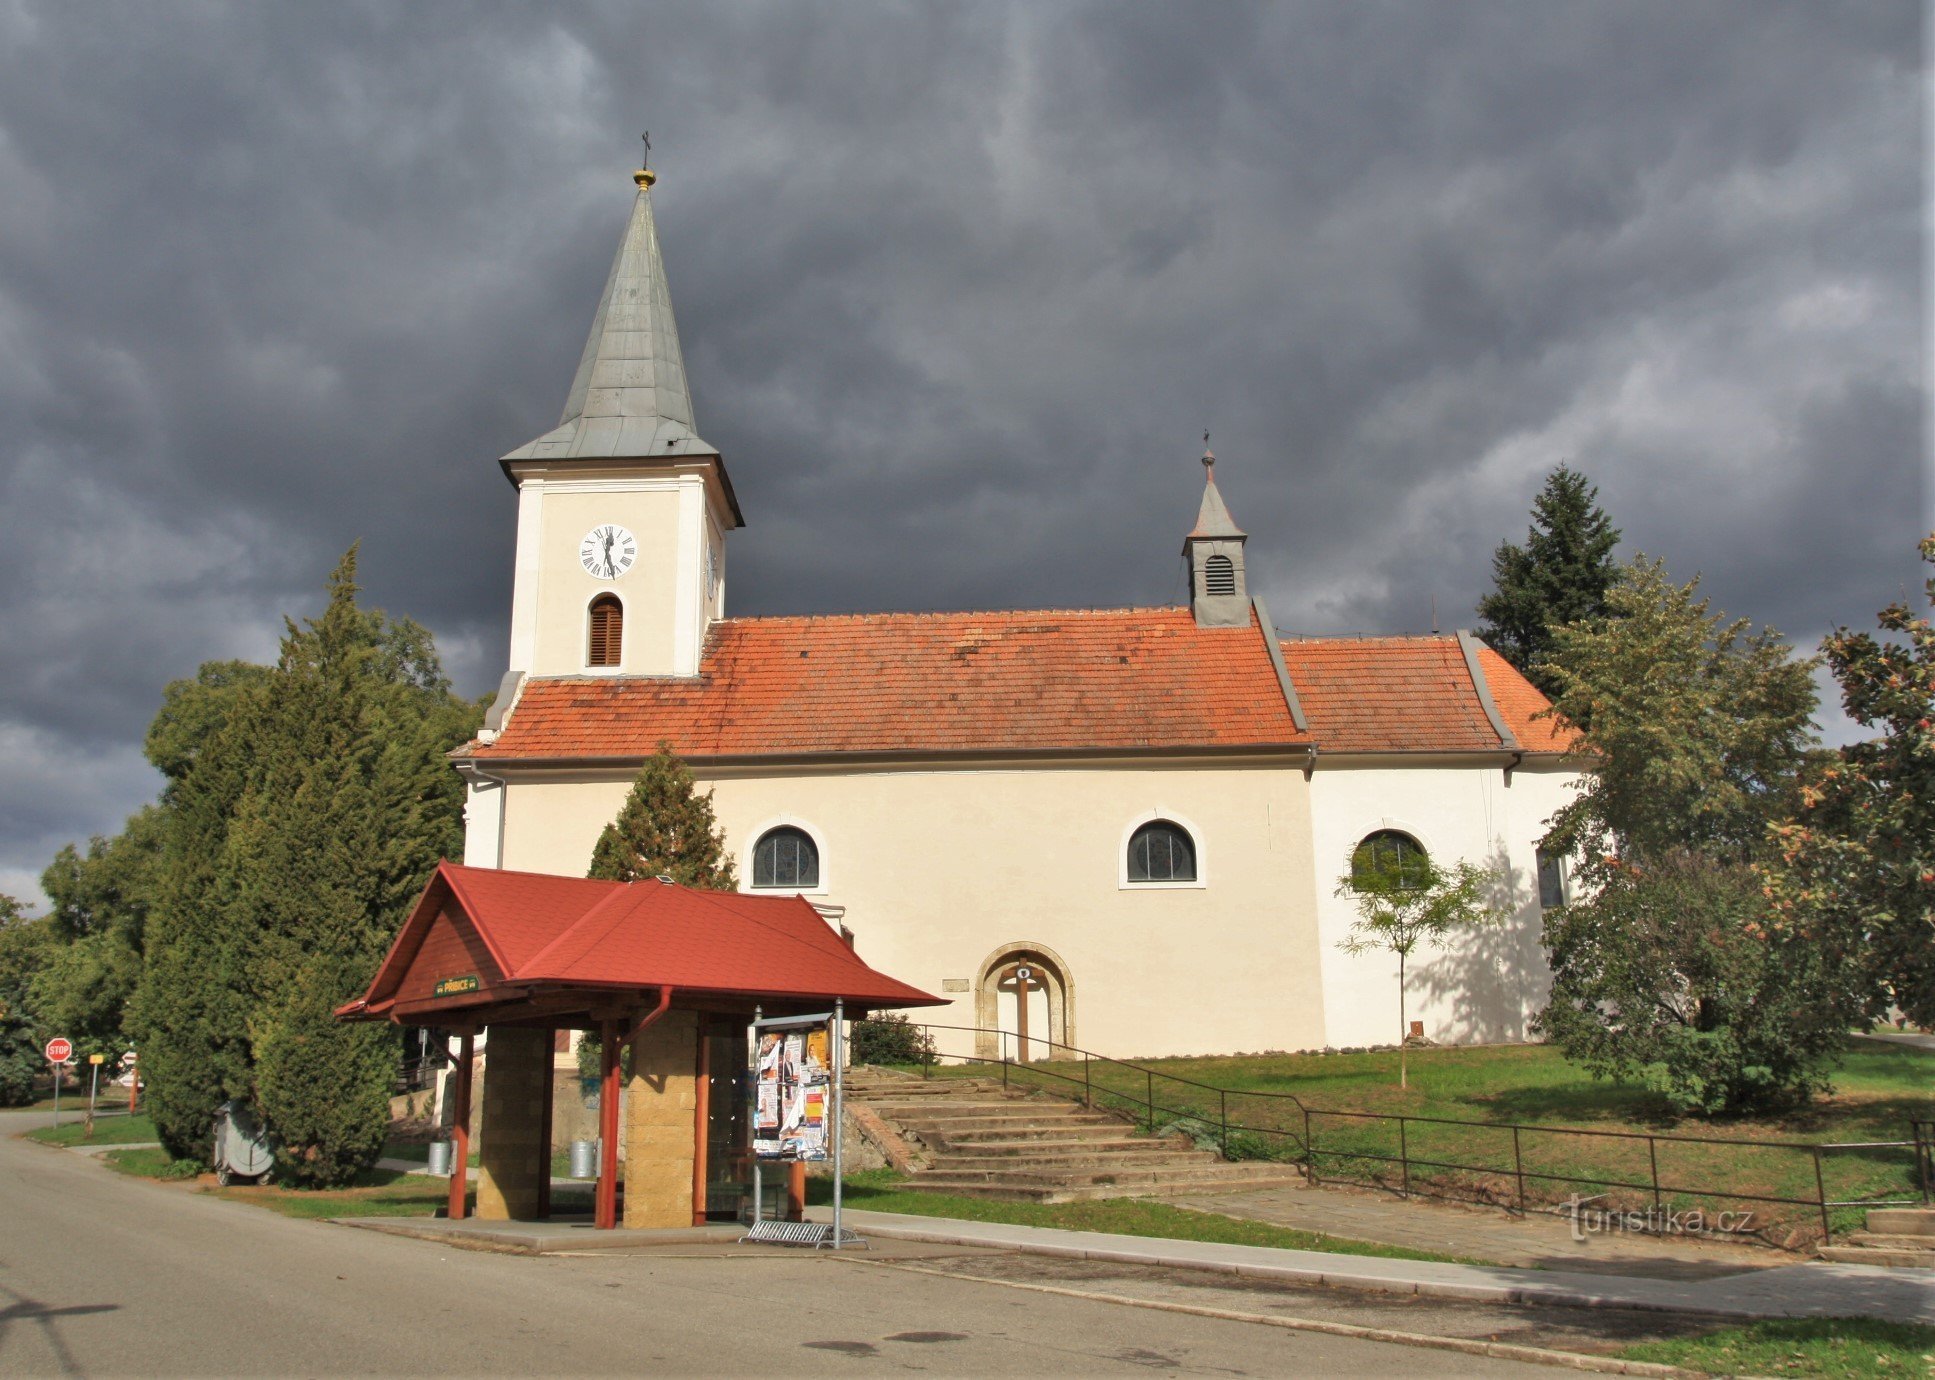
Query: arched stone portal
996	995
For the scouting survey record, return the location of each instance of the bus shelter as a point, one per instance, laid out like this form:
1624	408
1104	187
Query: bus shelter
667	973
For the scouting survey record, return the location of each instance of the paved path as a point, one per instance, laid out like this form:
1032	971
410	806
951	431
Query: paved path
1900	1037
1536	1239
105	1275
1815	1289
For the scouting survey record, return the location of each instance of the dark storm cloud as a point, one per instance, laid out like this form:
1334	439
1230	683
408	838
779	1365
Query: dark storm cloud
959	287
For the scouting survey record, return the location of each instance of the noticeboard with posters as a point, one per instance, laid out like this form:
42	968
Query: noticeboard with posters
793	1083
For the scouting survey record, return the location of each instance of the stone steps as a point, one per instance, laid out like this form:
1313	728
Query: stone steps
1897	1237
988	1142
1902	1221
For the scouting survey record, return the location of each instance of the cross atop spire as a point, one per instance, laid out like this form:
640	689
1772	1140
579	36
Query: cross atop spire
630	397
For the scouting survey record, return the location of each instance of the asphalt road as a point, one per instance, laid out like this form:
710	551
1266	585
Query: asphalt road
102	1275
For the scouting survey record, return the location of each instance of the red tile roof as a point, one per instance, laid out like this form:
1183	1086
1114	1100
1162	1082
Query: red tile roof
569	930
1388	694
1523	707
928	682
1023	681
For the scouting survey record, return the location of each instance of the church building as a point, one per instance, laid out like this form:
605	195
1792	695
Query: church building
1123	828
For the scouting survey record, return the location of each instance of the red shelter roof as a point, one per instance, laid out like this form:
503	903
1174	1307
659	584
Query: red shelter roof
483	937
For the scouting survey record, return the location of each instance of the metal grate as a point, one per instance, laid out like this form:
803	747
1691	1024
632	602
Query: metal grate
814	1234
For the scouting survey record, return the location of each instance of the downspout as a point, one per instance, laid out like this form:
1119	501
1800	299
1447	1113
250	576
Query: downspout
469	770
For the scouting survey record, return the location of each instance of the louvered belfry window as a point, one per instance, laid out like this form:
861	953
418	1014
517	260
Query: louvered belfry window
607	641
1219	576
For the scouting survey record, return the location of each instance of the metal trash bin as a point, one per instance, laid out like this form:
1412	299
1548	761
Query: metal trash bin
584	1159
243	1149
439	1160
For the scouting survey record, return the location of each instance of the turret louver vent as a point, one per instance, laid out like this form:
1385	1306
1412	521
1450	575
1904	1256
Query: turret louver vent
1219	576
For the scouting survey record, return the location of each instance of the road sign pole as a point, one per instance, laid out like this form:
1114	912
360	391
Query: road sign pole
93	1087
58	1051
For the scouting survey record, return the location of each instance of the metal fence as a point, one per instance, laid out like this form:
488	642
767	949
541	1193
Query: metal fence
1204	1110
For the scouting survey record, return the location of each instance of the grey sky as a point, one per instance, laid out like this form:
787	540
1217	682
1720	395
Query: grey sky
960	286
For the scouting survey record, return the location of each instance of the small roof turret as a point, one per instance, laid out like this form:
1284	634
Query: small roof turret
630	397
1218	587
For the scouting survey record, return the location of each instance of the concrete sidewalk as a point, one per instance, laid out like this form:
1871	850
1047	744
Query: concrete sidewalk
1814	1289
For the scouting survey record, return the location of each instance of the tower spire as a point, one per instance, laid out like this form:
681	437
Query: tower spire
629	398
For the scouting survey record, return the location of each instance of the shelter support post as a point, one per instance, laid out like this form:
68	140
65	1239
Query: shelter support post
514	1132
544	1122
701	1114
796	1191
606	1216
460	1132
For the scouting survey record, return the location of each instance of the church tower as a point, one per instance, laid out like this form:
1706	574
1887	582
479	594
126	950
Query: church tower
622	509
1219	593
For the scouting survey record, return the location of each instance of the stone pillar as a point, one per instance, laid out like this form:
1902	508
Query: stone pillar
661	1103
513	1130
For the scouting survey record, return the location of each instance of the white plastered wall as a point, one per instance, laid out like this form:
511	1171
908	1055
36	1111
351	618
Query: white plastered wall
666	602
937	868
1486	985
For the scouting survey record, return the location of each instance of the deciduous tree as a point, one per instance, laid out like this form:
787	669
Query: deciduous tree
1403	902
1856	865
1667	966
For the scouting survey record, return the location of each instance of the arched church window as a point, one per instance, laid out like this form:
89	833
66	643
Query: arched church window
1219	576
786	857
1161	852
606	641
1390	856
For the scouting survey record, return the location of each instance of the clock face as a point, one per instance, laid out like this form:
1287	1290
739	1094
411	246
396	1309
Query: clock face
608	551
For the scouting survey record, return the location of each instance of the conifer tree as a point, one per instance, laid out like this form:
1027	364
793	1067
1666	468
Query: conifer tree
1560	576
666	828
24	941
303	828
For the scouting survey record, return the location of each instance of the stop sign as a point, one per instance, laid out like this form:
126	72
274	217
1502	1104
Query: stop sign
59	1050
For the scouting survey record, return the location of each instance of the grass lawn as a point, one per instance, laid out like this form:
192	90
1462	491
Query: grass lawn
119	1130
1878	1089
879	1190
1854	1348
150	1162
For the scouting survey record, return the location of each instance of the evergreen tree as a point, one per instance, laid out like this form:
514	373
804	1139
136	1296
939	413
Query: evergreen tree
24	943
666	828
1857	863
302	828
187	1014
1561	575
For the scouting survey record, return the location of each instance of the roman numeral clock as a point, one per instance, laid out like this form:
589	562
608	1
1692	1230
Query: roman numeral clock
608	551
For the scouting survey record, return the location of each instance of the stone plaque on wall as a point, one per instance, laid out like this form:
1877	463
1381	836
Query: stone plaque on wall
954	984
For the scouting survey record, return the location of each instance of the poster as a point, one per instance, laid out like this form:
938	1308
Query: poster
793	1079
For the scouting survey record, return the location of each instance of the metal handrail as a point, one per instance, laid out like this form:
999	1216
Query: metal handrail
1922	1141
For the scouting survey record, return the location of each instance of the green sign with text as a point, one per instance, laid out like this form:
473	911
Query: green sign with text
452	987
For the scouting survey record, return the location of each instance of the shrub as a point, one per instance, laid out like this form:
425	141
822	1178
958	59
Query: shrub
890	1039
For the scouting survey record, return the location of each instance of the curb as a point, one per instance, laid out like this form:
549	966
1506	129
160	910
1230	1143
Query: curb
1338	1271
1503	1351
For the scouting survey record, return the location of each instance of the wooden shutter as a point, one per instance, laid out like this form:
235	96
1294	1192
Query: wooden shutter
607	640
